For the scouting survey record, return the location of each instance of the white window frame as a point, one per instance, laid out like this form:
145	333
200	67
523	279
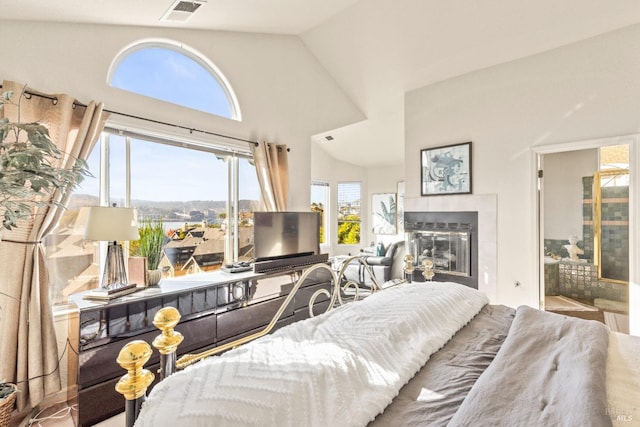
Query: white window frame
337	213
231	158
328	238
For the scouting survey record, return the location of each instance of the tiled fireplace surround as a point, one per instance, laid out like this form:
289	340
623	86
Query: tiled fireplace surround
486	206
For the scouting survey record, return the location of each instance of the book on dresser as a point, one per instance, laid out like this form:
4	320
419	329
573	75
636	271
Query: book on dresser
102	294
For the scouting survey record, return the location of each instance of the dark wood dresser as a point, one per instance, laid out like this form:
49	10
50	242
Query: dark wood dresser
216	308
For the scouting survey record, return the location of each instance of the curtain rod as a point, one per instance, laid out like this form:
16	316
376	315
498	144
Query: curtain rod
191	130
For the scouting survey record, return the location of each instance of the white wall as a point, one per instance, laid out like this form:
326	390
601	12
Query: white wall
578	92
563	200
285	95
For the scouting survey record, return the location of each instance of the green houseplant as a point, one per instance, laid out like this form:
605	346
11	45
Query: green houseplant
29	174
149	245
29	178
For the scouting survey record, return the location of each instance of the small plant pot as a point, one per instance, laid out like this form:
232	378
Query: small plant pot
7	402
153	277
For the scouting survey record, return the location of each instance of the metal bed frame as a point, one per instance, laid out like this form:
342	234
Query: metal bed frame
135	354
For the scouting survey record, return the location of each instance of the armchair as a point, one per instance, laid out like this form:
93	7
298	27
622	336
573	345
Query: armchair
384	268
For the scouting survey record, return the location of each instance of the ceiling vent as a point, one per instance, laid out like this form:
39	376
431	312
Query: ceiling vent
182	10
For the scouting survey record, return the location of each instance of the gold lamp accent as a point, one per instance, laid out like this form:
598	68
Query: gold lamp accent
165	320
133	357
427	269
408	266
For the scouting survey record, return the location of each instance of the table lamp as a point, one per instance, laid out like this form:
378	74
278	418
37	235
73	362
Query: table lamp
113	224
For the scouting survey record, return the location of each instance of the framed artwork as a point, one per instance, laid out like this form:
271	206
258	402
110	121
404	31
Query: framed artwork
400	208
383	212
446	170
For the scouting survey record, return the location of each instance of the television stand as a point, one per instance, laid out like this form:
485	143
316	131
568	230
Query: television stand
284	263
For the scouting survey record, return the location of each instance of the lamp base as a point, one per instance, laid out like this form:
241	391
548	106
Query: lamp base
115	273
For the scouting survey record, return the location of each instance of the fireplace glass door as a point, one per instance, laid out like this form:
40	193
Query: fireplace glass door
448	250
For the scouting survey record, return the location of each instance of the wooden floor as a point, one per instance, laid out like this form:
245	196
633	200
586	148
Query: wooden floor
559	303
571	307
63	415
617	322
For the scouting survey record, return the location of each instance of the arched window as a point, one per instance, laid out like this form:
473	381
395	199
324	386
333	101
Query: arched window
171	72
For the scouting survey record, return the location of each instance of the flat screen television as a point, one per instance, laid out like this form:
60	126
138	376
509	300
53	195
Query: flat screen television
279	235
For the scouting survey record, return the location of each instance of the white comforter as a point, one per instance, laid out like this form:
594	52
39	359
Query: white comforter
339	369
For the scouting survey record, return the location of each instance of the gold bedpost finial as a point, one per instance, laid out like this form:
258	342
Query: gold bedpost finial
165	320
133	357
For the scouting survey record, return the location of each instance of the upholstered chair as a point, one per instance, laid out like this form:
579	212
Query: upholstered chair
384	268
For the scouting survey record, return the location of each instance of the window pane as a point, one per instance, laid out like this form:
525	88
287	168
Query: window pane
173	77
614	157
187	190
249	201
320	203
349	213
69	258
117	170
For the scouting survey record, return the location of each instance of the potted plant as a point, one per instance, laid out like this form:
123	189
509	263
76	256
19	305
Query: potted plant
152	239
29	174
7	399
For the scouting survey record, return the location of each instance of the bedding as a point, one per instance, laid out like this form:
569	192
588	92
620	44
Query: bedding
434	394
341	368
364	364
550	371
623	380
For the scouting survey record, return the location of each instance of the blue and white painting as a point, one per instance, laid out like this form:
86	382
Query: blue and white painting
383	209
446	170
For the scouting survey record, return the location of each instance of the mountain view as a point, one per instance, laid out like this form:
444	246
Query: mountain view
193	210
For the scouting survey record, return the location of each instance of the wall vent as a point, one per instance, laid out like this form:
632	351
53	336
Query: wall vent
182	10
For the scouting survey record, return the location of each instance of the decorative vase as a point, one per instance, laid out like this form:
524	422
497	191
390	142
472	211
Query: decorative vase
153	277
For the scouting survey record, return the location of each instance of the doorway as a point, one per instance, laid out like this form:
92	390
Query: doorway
584	237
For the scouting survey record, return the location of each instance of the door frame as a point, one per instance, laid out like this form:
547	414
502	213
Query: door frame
633	140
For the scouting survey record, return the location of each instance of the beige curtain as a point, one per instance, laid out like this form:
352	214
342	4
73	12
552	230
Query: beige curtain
272	167
28	350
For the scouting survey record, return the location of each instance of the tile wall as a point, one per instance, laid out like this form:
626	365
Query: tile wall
580	279
615	233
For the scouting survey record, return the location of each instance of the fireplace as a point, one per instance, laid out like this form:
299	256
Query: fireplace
449	240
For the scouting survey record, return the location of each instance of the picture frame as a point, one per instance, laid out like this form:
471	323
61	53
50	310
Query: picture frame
400	208
446	170
383	213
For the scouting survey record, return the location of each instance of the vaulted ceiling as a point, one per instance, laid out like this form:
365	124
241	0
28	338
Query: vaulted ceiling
376	50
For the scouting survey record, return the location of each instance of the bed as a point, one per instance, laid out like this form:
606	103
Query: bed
409	355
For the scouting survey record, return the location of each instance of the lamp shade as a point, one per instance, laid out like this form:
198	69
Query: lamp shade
112	223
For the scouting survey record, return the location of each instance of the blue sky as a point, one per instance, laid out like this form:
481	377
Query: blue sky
173	77
166	173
